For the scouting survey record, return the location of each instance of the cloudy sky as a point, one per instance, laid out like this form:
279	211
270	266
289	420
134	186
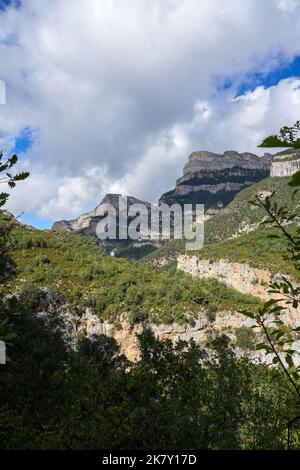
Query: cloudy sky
112	95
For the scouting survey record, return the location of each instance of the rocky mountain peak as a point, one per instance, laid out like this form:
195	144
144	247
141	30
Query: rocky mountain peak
86	224
203	160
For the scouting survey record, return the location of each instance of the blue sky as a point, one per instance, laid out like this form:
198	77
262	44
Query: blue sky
35	221
6	3
23	142
113	96
291	69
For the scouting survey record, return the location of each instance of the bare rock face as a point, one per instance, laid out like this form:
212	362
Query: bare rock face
200	161
86	224
285	163
214	179
239	276
77	324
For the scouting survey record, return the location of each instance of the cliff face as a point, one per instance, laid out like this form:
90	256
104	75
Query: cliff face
285	163
88	324
207	321
241	277
205	328
86	224
214	179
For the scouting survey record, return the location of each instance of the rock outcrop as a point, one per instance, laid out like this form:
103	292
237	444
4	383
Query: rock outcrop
205	328
207	323
213	179
285	163
86	224
239	276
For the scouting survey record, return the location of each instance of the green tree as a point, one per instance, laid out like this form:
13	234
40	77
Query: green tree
7	266
6	177
289	136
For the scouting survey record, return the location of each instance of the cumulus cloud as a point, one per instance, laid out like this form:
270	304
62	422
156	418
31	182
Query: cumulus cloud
117	93
223	123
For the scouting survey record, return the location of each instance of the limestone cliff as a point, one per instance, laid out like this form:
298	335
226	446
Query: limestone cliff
241	277
86	224
214	179
285	163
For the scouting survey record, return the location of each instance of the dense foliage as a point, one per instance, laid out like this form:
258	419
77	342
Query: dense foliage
226	232
7	265
60	395
288	137
110	287
281	336
174	397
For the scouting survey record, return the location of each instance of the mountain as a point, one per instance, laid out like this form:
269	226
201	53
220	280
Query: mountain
184	295
209	178
285	163
223	182
86	224
236	220
214	179
94	293
112	288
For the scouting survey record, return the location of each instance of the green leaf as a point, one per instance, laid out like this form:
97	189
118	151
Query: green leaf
289	361
21	176
248	314
295	376
262	346
274	141
13	160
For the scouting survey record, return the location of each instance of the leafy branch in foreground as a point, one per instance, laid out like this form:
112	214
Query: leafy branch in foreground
288	137
281	338
8	178
7	266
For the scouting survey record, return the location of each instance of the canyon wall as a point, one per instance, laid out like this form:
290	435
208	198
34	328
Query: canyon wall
214	179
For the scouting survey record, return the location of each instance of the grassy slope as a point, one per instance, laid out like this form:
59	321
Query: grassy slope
77	267
255	248
240	213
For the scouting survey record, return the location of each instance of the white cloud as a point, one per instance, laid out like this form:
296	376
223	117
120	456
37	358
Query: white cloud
224	123
288	5
119	93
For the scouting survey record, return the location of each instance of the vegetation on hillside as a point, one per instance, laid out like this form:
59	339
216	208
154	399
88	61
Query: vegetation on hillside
57	395
255	249
241	216
282	338
77	267
7	266
226	233
174	397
